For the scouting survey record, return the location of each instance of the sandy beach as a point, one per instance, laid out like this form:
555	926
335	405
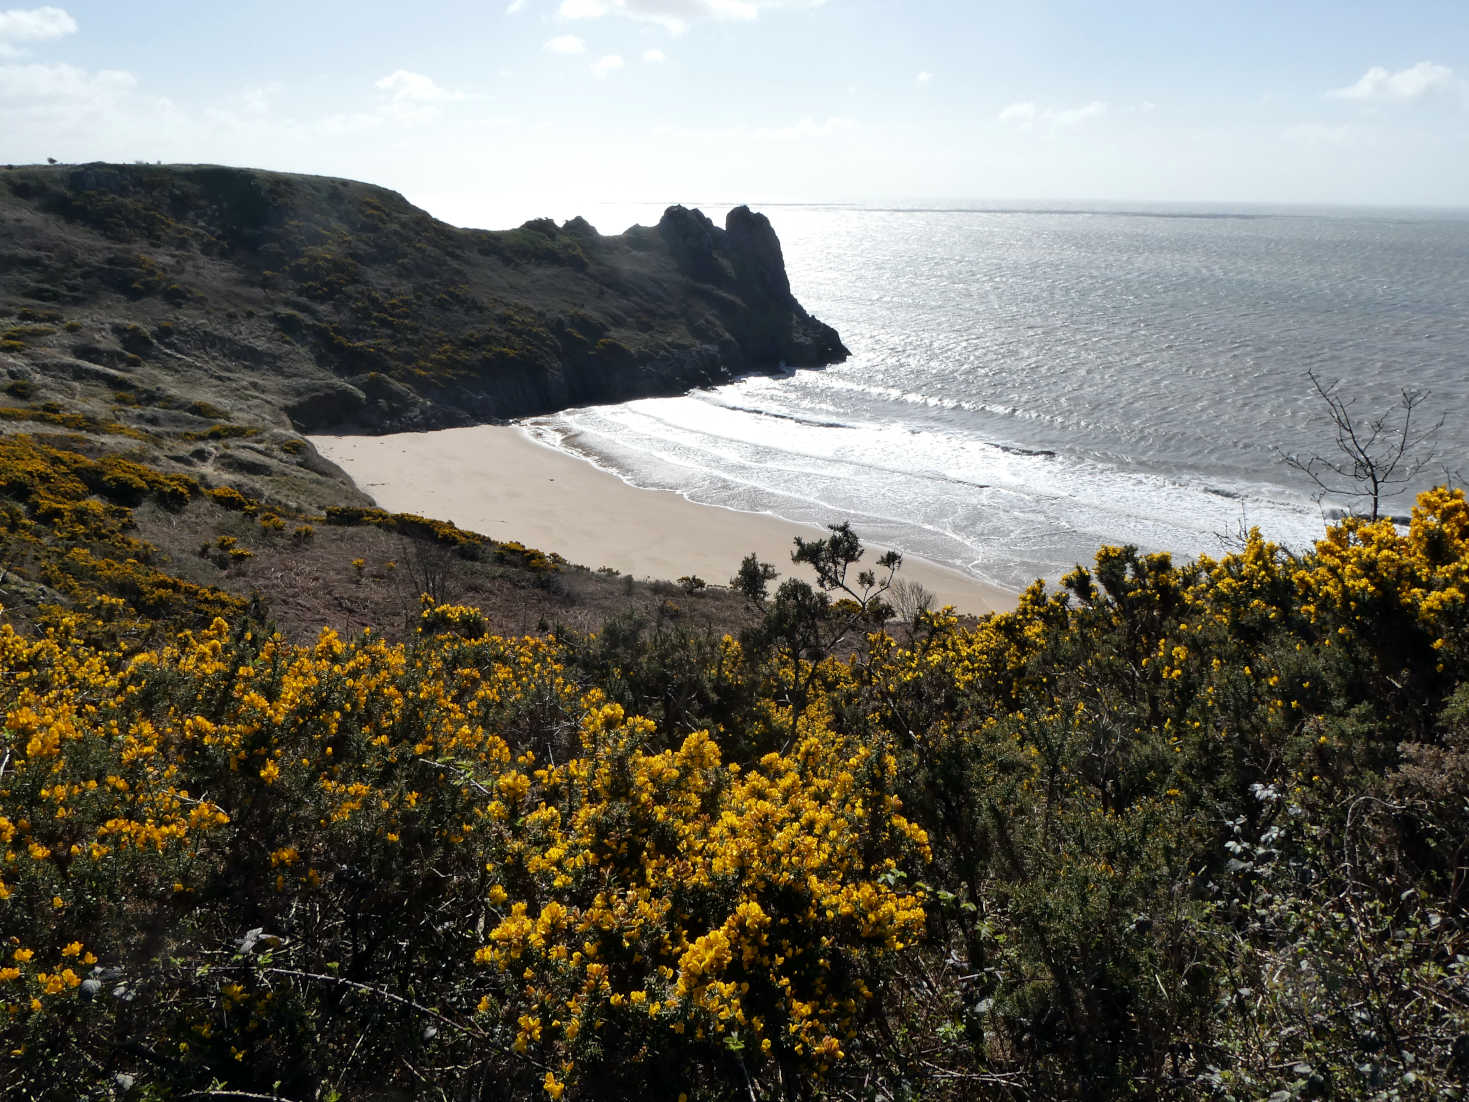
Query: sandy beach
497	481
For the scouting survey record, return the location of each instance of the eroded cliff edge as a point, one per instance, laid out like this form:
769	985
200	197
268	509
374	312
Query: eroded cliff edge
323	305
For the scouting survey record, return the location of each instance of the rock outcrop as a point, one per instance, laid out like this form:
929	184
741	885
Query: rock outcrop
328	305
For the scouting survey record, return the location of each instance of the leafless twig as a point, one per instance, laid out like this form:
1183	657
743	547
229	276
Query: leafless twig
1376	456
370	989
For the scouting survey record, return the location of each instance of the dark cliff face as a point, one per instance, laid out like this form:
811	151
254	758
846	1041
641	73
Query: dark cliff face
342	307
744	260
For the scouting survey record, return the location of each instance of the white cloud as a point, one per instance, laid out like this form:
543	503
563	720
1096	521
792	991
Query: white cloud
923	77
654	57
413	97
1026	113
414	88
1378	85
807	128
32	25
61	84
1020	114
514	6
1320	134
608	64
582	9
258	101
79	114
566	44
676	16
1073	115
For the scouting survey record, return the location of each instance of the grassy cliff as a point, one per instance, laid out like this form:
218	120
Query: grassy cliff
196	321
345	307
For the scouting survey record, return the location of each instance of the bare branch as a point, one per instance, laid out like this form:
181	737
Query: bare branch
1375	456
379	991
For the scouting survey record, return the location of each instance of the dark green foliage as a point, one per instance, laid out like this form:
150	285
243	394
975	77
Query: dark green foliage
683	677
753	579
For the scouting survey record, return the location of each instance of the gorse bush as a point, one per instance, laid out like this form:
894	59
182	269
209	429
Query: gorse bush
1168	831
451	832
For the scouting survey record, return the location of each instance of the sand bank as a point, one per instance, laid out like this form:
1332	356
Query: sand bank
497	481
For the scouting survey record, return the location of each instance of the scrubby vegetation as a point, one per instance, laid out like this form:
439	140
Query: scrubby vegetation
1171	832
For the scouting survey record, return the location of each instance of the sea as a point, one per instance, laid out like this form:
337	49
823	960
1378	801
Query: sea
1030	382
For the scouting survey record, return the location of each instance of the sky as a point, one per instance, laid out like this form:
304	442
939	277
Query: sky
489	112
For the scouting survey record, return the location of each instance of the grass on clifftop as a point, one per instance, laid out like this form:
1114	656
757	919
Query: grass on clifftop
344	307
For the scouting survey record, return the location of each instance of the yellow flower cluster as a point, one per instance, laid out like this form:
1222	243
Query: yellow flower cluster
630	884
602	888
1359	566
751	903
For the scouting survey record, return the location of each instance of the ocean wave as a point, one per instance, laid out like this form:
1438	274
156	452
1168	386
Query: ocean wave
1005	513
1022	390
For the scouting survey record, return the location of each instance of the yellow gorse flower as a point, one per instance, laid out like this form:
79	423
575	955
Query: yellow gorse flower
627	879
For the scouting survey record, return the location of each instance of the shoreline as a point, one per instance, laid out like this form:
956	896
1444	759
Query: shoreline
501	482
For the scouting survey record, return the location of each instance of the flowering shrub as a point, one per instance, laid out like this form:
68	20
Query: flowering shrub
1091	769
611	912
704	913
1182	831
54	531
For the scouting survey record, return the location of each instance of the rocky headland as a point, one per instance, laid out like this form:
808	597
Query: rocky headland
170	334
305	304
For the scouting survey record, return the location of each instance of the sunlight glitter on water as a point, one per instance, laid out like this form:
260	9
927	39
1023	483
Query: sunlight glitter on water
1027	386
